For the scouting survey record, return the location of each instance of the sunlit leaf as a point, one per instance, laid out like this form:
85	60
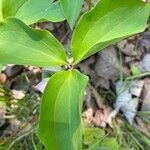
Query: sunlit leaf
31	11
109	144
59	127
95	139
20	44
92	135
109	22
71	10
1	14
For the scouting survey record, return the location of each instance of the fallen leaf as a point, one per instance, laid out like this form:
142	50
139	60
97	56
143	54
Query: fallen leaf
41	86
18	94
146	96
107	65
144	65
128	93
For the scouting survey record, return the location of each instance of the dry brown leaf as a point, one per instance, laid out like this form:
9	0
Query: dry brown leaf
97	117
146	96
3	78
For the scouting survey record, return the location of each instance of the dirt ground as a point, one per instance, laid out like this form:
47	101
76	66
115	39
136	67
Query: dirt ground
116	103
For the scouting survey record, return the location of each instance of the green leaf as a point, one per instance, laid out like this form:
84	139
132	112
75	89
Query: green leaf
109	144
92	135
20	44
59	126
31	11
71	10
109	22
96	139
1	14
135	70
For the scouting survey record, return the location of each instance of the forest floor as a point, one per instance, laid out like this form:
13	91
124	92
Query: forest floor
116	110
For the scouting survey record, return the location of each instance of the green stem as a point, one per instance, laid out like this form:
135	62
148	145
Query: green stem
138	76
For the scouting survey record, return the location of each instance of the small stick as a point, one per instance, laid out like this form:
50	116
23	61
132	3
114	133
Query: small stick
99	99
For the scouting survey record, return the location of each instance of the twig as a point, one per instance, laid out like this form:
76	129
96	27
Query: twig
99	99
64	37
120	64
138	76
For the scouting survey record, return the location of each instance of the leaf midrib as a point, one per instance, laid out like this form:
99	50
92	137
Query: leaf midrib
24	4
42	12
36	50
82	56
64	83
17	9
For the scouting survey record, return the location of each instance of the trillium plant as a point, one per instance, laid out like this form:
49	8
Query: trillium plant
107	23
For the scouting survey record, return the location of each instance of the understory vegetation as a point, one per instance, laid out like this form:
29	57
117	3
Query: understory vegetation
74	75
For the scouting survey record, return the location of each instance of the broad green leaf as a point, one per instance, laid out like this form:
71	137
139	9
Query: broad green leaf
1	14
59	126
92	135
71	10
109	144
11	7
20	44
109	22
96	139
31	11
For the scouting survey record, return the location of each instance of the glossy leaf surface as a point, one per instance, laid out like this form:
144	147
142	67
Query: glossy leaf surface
31	11
71	10
1	14
59	127
109	22
20	44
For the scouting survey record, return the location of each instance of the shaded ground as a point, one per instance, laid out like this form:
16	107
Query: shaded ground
116	105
